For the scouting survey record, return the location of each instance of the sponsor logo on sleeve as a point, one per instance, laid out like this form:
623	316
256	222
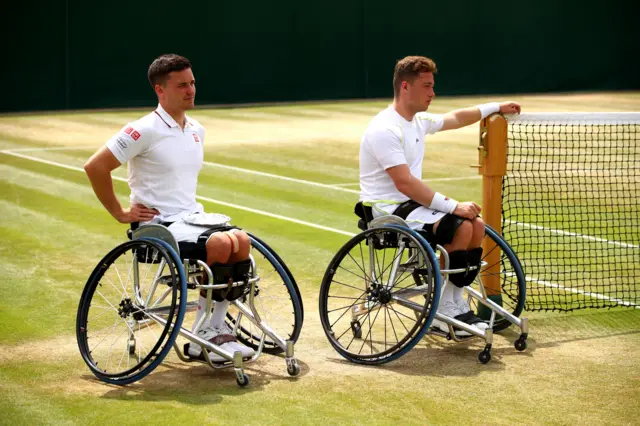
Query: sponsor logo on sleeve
135	135
122	142
128	130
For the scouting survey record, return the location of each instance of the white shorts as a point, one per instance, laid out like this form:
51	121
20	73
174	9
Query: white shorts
186	232
188	238
416	219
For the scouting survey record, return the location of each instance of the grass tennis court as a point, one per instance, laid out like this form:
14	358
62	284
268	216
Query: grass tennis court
289	174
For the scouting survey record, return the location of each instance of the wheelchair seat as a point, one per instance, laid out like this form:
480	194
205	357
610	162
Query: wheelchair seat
366	220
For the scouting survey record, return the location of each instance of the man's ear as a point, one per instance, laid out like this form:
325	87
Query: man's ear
158	89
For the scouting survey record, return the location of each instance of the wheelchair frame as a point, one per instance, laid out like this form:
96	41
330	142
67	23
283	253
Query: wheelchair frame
402	297
188	270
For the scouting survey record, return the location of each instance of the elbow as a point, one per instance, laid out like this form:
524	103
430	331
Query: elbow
89	167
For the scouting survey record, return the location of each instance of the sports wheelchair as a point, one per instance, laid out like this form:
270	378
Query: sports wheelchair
380	292
134	302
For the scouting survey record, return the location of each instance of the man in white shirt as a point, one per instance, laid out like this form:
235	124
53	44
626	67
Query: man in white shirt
164	150
391	154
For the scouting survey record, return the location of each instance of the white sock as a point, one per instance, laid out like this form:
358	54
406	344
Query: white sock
458	294
447	293
219	312
202	307
459	299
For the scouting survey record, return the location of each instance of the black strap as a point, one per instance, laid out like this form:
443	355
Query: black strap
468	318
202	239
363	212
405	209
136	225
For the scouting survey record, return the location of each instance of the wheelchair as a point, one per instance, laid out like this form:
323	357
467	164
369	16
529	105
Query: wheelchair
380	292
132	308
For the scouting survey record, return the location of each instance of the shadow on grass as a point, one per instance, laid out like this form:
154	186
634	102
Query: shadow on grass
435	356
197	383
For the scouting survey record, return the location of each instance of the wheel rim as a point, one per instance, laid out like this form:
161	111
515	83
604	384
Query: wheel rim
507	272
362	284
117	333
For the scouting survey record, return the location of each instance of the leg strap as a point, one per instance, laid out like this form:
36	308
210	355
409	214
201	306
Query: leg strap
475	258
458	260
228	273
465	259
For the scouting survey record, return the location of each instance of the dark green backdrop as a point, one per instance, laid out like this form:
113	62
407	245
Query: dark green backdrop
72	54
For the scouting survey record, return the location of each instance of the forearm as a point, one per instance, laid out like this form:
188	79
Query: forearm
102	185
467	116
417	190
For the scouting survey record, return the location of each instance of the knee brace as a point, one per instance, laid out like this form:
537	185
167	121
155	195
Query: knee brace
241	272
465	259
474	256
229	273
458	260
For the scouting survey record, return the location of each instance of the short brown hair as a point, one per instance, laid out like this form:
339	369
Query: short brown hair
163	65
409	68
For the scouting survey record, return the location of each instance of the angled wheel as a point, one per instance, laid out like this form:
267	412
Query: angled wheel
387	281
502	277
277	300
131	310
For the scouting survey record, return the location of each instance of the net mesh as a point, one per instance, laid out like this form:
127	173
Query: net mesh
571	208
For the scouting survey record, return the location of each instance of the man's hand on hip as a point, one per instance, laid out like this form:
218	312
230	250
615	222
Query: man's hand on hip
136	213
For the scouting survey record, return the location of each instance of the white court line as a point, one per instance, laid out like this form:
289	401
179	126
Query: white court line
577	291
211	200
572	234
354	191
270	175
309	224
58	148
453	178
346	184
424	180
336	187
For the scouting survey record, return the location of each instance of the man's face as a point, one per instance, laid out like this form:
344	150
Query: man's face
179	91
420	92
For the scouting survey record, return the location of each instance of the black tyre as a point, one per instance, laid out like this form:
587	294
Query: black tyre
504	269
131	310
385	280
277	300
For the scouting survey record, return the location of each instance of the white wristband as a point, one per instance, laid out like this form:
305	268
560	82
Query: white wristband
443	204
488	109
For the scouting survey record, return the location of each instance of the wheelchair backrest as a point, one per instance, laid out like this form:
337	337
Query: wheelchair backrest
155	231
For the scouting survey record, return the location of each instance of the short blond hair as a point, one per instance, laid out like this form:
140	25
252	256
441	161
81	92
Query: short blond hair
409	68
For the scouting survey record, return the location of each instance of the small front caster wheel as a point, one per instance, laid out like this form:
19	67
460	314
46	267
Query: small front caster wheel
484	356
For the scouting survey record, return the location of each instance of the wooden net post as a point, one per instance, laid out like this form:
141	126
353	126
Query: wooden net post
493	166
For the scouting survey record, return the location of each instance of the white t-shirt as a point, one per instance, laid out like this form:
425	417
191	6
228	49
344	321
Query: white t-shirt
389	141
164	162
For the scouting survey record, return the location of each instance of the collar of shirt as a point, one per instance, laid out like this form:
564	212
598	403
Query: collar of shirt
168	120
403	121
